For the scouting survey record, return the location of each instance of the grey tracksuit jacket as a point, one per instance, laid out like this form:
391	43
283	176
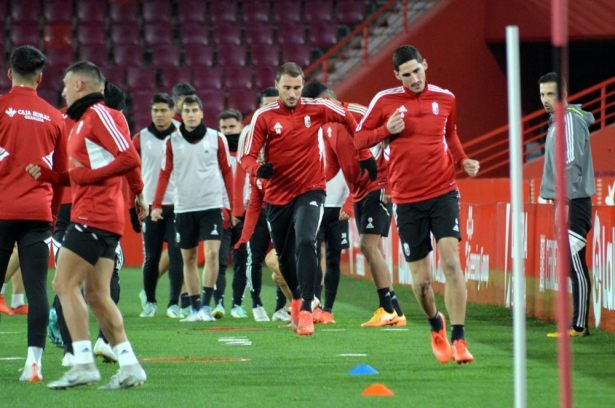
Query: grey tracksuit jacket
579	166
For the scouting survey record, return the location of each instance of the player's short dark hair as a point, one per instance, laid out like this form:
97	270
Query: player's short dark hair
553	77
230	114
192	99
27	62
291	69
317	89
115	98
162	98
268	92
404	54
182	89
88	69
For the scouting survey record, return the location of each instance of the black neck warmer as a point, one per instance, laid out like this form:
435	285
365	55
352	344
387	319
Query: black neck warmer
233	141
194	136
161	134
76	110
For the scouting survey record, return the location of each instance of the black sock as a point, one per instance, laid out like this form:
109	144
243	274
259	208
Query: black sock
385	300
280	299
436	323
256	298
457	332
306	305
318	291
207	294
396	304
185	300
195	302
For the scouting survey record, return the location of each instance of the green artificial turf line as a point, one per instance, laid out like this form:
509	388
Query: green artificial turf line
279	368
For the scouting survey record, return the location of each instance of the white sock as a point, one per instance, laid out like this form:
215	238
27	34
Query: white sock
125	355
35	355
3	289
83	352
17	301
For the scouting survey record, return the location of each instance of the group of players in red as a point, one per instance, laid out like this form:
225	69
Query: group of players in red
283	152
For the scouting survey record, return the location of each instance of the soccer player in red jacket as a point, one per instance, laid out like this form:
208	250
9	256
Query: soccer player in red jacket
419	119
372	210
31	131
101	151
287	130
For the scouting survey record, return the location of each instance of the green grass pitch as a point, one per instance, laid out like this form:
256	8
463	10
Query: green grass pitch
279	369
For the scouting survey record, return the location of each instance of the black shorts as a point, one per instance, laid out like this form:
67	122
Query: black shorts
23	232
438	215
372	215
89	243
59	230
193	227
333	231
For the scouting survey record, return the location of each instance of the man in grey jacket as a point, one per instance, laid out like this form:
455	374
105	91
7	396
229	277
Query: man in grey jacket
580	187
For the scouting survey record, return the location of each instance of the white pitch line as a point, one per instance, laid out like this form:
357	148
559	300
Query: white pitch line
331	330
395	329
10	332
12	358
351	355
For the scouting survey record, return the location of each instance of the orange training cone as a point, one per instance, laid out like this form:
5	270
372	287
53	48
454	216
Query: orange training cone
377	390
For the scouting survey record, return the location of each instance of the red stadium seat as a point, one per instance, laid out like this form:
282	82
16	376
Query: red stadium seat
125	34
299	54
165	56
50	96
259	34
221	12
139	79
60	57
213	101
57	12
254	11
265	55
156	11
189	12
91	34
52	78
231	55
194	34
207	78
3	16
323	35
172	76
124	12
116	76
57	36
350	11
264	77
199	56
227	34
24	34
318	11
157	34
243	99
96	54
141	118
127	56
291	33
24	12
91	11
287	12
238	77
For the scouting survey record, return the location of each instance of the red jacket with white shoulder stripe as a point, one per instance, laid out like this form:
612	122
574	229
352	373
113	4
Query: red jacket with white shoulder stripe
100	142
424	155
291	142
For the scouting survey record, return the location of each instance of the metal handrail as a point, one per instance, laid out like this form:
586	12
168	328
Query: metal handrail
598	99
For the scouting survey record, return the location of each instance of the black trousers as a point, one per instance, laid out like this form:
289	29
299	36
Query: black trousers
33	239
579	225
154	235
229	238
257	251
293	229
